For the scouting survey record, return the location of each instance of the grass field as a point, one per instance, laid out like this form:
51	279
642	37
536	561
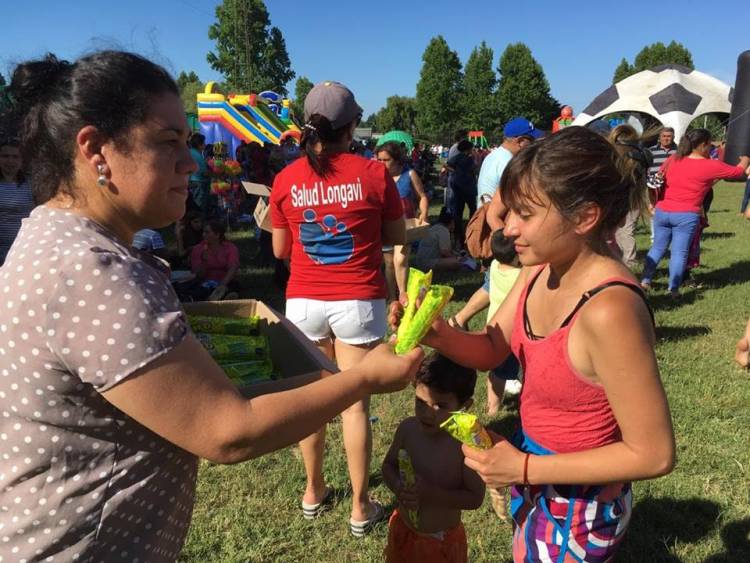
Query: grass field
699	513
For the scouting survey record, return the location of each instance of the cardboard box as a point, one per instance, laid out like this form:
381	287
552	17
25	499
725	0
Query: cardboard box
262	215
256	189
292	353
416	229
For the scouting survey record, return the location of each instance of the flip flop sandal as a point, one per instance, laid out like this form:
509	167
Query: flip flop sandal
312	511
360	528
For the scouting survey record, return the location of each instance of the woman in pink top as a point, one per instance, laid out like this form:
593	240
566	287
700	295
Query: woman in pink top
215	261
688	175
592	418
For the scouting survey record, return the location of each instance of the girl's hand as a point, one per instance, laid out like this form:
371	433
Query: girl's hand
397	312
500	466
742	352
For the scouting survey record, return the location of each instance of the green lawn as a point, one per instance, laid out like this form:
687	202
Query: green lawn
699	513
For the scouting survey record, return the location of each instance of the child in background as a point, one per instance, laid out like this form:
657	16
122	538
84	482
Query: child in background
504	272
444	485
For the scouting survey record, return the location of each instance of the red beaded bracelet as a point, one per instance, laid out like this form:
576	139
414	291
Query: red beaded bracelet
526	469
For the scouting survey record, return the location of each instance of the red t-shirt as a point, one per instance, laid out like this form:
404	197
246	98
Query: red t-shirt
688	180
216	264
336	226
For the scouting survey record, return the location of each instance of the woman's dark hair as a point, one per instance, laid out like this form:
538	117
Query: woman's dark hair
218	227
634	160
54	99
464	145
20	176
574	168
691	140
445	217
394	150
197	140
318	129
443	375
503	249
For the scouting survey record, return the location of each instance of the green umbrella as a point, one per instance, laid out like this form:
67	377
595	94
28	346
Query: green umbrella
398	137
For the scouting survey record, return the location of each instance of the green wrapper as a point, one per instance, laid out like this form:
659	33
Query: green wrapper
417	282
409	479
248	326
248	372
226	348
465	428
434	301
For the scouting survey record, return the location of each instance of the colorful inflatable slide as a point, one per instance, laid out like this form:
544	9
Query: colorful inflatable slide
260	118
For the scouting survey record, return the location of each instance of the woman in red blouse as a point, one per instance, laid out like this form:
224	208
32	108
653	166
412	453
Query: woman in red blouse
215	261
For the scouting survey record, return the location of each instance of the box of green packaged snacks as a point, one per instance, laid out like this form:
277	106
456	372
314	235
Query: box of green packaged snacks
252	342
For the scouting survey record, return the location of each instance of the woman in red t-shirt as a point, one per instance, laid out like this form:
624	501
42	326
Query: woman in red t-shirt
688	177
331	212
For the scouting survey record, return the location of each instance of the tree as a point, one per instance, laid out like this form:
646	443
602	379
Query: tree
438	91
251	56
399	113
654	55
523	89
623	70
301	88
478	103
190	86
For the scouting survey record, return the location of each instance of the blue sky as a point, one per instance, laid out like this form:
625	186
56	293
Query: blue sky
376	48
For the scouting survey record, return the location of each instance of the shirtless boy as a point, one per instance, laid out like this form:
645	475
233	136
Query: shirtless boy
444	485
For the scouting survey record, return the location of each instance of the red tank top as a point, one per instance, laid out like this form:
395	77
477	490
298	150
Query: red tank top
560	409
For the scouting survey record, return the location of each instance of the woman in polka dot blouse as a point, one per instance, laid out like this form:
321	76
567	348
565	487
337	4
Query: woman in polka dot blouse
106	397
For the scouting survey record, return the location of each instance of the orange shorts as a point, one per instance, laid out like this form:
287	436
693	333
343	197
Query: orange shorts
407	546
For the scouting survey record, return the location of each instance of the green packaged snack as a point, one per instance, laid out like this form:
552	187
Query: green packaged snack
224	348
465	428
248	372
409	478
434	301
248	326
417	282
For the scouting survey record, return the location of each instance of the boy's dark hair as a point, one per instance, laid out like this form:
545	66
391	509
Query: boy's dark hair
445	376
464	146
503	249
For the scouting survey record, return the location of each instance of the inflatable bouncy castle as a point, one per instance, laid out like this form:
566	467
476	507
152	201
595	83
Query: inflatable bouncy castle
253	118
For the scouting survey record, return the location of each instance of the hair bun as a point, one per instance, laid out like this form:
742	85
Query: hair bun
34	79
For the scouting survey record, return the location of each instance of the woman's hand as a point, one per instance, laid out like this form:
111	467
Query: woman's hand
744	161
386	372
500	466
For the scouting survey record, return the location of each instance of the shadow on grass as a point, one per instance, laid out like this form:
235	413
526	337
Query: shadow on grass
708	235
735	274
735	537
658	524
674	333
665	302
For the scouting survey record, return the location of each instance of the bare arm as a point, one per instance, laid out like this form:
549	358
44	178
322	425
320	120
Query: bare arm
394	232
281	241
742	350
485	349
210	418
634	392
424	203
496	212
391	476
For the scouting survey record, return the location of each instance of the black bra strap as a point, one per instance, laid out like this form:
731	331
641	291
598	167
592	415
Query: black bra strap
581	302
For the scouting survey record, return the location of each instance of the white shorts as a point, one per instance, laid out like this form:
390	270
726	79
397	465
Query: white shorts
353	321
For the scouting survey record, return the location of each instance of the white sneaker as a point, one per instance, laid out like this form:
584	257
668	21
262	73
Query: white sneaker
513	387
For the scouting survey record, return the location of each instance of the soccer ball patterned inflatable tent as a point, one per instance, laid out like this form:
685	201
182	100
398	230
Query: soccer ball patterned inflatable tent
672	94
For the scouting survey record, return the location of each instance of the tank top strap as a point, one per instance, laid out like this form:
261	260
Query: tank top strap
599	288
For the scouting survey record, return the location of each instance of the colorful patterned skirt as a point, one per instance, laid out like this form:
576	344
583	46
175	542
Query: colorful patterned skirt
567	523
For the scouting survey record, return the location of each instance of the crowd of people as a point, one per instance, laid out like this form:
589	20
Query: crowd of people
109	399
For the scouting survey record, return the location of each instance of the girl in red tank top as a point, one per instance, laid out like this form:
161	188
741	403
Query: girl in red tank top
594	416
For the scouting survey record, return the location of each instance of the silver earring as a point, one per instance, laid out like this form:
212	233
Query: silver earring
102	179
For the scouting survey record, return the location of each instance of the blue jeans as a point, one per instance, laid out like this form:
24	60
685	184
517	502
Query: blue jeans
679	228
745	197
